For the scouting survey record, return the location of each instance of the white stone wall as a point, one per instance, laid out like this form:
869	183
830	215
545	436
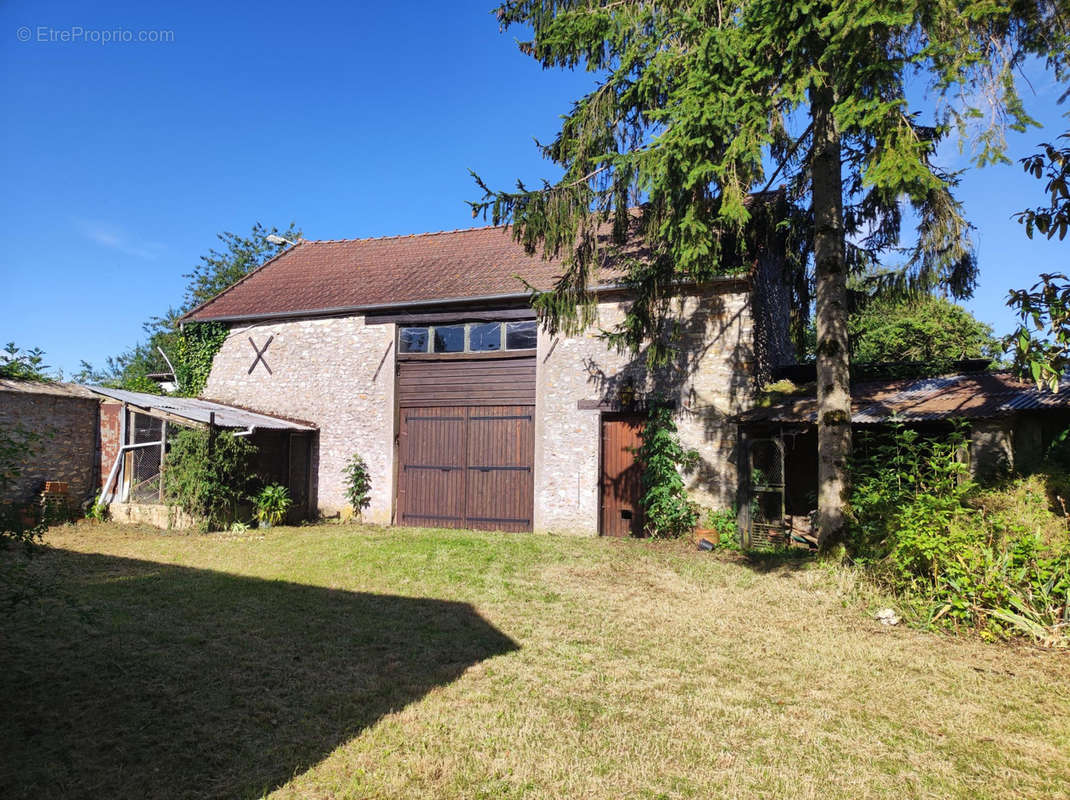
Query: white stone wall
710	380
337	373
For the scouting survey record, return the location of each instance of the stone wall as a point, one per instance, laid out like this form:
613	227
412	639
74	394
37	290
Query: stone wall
337	373
340	375
580	377
67	447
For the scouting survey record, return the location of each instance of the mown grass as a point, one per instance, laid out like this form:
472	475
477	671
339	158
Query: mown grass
347	661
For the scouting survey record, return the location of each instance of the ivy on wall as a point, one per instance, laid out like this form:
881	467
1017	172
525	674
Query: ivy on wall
197	347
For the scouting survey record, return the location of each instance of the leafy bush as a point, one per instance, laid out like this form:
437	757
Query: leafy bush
17	585
922	529
358	483
666	509
723	520
208	476
271	504
98	511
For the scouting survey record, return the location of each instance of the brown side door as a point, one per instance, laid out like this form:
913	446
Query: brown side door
621	479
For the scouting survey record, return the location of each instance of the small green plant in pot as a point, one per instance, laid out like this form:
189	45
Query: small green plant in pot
271	504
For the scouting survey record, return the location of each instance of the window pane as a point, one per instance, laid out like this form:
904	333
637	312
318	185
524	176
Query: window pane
485	336
412	340
521	335
449	339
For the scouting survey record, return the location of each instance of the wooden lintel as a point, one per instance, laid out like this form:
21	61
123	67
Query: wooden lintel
429	318
484	356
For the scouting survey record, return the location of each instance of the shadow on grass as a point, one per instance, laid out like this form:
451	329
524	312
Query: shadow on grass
192	683
780	559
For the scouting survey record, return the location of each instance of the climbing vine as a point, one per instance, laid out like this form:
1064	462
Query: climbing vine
666	508
197	347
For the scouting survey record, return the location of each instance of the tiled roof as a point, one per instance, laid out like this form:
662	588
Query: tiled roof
319	276
40	387
974	396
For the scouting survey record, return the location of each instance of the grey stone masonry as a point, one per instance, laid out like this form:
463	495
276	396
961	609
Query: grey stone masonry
711	378
337	373
340	374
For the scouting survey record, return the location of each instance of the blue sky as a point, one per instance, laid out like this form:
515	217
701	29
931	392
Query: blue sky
121	161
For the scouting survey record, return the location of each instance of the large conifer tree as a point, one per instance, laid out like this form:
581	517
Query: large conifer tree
700	102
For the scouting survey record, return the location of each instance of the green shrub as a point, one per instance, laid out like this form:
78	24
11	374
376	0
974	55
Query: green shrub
358	483
723	520
271	504
208	476
667	511
922	529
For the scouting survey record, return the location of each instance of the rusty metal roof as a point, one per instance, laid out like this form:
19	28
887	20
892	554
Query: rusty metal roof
200	412
972	396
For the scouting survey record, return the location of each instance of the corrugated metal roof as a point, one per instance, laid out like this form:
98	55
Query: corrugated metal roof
972	396
200	411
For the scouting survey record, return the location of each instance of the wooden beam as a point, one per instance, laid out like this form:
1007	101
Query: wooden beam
478	356
430	318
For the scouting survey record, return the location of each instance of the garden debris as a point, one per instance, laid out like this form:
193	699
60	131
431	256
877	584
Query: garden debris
887	616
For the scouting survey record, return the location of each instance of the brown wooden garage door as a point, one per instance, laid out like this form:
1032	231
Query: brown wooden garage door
466	445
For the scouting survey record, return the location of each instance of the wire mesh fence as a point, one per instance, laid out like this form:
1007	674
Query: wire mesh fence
145	478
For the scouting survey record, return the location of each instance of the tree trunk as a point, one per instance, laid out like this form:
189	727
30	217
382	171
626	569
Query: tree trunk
833	373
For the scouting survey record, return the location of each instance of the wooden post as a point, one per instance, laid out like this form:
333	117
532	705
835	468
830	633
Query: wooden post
163	453
211	431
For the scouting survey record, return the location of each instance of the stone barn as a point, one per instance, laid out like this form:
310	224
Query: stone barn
423	355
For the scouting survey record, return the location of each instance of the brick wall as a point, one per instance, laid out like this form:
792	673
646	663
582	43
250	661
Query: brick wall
337	373
67	448
110	414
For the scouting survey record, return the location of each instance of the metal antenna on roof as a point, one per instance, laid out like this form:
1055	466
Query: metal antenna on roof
171	367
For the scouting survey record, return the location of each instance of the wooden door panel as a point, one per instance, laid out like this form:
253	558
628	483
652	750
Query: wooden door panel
464	466
501	443
432	481
621	479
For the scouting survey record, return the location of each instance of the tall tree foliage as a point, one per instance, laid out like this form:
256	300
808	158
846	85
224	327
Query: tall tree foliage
1051	164
922	329
191	350
26	365
695	99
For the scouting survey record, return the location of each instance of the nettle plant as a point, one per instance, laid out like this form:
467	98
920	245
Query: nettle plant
666	508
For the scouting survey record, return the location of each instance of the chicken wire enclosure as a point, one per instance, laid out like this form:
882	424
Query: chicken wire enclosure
143	481
765	483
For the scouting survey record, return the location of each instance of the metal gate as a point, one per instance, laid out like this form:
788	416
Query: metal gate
765	492
143	465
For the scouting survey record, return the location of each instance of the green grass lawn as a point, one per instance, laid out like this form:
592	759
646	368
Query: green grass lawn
348	661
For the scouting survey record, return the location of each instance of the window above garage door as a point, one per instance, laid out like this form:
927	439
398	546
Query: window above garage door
468	337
